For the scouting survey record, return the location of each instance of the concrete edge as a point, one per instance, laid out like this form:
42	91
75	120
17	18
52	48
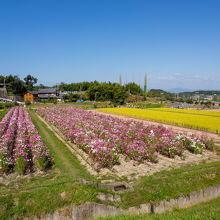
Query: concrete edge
92	210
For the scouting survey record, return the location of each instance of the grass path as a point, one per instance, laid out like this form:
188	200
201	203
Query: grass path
66	162
2	113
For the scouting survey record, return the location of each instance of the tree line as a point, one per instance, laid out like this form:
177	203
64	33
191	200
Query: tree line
98	91
101	91
94	91
17	86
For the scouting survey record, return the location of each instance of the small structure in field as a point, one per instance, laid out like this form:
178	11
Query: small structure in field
31	97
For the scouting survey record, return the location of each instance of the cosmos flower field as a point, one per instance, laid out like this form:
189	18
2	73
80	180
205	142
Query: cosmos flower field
105	138
21	147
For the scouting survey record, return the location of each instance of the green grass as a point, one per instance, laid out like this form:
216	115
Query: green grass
2	113
148	105
35	195
82	105
172	184
204	211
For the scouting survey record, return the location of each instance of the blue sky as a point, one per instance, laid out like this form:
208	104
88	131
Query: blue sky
176	42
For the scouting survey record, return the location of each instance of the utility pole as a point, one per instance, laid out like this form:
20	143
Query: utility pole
120	80
145	83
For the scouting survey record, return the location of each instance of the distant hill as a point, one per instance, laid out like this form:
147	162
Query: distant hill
208	92
159	93
203	92
199	92
191	92
182	95
177	90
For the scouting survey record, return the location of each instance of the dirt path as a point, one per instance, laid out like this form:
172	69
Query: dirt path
216	137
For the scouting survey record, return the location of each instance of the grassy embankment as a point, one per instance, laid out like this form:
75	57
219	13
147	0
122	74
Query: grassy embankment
36	195
202	120
172	184
204	211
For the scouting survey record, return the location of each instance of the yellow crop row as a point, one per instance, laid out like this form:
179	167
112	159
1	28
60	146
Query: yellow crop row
198	121
199	112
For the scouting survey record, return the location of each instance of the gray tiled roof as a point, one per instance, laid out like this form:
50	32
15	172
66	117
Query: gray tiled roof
34	92
46	91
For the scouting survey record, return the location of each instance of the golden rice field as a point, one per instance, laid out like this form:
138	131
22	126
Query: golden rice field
197	112
203	120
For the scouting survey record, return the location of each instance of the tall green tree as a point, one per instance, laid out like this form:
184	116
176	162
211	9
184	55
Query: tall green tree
107	92
133	88
2	78
30	81
15	85
119	95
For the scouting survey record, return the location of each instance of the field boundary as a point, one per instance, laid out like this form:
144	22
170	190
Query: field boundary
94	210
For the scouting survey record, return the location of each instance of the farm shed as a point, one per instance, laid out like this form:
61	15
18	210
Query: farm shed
31	96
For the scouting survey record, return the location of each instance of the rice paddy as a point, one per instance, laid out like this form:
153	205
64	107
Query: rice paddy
202	120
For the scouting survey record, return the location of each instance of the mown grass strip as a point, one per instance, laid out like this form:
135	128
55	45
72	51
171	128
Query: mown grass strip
204	211
146	105
64	160
2	113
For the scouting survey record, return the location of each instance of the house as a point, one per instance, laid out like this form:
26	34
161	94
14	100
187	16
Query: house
44	94
31	97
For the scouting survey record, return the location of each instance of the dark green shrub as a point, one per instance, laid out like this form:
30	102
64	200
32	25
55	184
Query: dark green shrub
27	103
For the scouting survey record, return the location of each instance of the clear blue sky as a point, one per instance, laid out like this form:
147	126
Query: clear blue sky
177	42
